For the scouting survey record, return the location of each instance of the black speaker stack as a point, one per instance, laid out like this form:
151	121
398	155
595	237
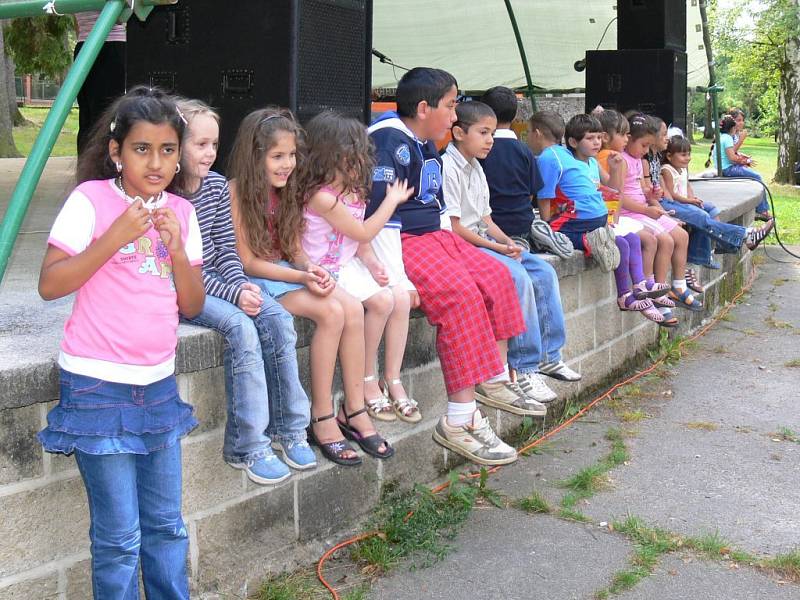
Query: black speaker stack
648	70
307	55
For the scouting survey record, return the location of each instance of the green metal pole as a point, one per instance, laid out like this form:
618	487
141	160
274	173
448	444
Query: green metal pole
522	54
34	165
35	8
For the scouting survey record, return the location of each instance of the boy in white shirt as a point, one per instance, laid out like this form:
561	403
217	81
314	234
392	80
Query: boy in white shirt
468	214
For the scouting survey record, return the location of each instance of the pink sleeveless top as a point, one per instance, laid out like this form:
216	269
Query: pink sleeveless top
633	187
323	244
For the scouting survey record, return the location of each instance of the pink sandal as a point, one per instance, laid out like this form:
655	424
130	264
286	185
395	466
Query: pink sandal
644	306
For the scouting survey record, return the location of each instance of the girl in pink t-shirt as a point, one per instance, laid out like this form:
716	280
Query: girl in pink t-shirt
132	252
672	240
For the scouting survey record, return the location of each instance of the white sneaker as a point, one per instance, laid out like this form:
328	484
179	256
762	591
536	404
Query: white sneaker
535	388
559	370
475	441
508	396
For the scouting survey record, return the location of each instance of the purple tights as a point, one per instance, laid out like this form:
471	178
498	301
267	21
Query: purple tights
630	263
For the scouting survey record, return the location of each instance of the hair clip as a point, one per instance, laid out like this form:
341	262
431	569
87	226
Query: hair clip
180	114
113	125
268	117
674	132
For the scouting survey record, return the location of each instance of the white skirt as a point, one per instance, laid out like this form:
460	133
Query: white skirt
626	225
389	249
355	279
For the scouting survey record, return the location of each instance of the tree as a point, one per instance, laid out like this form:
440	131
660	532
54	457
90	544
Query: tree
758	45
7	146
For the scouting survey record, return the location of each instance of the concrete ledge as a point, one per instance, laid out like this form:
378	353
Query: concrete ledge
239	532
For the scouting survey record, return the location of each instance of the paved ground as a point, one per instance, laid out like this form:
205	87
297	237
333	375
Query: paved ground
706	456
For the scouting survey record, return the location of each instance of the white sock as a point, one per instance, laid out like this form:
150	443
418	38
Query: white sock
460	413
502	376
679	284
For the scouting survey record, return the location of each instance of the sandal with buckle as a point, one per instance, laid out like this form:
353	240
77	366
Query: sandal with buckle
644	306
685	299
406	408
332	450
663	302
379	408
692	281
641	291
368	443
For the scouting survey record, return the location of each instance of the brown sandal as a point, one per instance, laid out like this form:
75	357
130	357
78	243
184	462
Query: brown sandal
379	408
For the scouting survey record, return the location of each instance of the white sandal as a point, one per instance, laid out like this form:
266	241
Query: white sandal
405	408
379	408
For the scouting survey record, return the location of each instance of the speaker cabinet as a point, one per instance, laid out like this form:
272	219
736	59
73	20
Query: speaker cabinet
649	24
651	81
307	55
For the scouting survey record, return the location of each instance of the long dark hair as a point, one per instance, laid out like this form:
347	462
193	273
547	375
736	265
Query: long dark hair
139	104
257	134
335	145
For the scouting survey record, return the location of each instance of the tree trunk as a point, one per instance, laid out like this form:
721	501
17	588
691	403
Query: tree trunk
708	132
789	113
689	133
16	116
7	147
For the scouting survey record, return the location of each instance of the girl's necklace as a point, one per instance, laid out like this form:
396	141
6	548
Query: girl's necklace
151	204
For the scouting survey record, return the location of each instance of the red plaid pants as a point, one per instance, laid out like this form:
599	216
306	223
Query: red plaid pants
471	300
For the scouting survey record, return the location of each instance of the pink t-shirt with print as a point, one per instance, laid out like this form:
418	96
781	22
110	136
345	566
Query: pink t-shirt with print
127	312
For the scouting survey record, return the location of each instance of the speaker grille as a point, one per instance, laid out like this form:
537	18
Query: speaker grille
331	57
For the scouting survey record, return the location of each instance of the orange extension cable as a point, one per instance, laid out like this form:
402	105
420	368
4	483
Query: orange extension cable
639	374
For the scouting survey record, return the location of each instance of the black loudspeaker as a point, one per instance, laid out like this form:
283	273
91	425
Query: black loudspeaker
307	55
651	81
644	24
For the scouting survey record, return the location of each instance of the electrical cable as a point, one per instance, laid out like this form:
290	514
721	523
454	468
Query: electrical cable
771	203
637	375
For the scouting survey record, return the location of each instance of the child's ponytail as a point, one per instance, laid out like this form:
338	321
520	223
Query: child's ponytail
141	103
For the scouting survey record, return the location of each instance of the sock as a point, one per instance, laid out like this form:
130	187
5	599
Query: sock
629	299
651	279
679	284
502	376
621	272
460	413
635	256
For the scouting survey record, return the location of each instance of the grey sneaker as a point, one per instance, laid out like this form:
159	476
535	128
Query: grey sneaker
475	441
535	388
603	248
508	396
559	370
551	241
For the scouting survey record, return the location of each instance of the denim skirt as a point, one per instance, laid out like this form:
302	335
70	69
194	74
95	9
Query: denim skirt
103	417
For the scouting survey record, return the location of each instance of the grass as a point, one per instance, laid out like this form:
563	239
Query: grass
795	362
702	426
25	135
535	504
786	197
785	566
416	523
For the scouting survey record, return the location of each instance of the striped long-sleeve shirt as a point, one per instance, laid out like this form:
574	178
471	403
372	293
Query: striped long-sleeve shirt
223	274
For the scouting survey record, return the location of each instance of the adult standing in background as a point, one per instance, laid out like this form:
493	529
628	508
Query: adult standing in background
106	79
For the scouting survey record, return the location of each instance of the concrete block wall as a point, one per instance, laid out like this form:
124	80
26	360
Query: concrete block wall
240	532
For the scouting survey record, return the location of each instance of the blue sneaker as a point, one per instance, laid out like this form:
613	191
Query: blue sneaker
264	471
297	455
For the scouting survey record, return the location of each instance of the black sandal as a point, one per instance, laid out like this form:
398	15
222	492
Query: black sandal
333	450
368	443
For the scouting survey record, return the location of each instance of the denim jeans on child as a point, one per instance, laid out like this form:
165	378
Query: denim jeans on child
265	398
742	171
135	507
540	300
705	228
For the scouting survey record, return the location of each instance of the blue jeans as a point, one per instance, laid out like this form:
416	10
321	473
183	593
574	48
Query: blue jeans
540	300
265	398
705	228
135	511
742	171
